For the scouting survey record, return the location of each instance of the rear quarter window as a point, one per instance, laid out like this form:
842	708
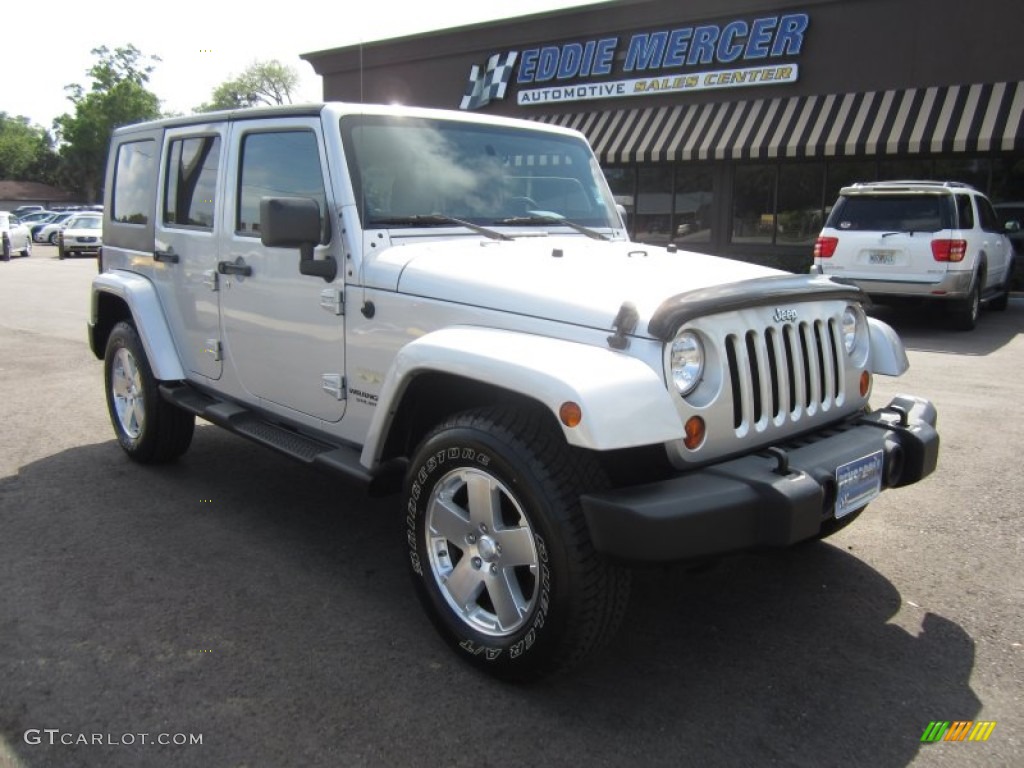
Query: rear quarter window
134	182
892	213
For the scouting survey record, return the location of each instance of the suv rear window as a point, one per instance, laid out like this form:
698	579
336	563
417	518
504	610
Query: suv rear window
892	213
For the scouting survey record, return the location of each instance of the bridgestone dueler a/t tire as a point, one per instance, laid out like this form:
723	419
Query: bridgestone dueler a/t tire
492	495
150	430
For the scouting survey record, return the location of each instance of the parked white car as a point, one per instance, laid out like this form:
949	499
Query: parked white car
940	241
82	234
49	231
14	236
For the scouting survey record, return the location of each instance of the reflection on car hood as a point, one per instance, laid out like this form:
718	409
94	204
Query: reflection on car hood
569	279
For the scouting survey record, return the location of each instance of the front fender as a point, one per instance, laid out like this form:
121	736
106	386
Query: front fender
624	402
888	357
140	296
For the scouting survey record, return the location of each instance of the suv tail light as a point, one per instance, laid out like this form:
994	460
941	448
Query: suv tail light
949	250
825	247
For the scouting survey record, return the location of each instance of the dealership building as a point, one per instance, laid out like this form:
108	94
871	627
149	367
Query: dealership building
729	126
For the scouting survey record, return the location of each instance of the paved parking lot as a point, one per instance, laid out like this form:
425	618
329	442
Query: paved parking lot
264	606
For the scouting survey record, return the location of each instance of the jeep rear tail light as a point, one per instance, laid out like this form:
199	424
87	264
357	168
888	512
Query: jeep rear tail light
825	247
949	250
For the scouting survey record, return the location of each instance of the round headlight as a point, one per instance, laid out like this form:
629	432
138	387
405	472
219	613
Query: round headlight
851	325
686	362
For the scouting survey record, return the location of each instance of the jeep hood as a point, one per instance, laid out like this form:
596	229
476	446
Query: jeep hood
568	279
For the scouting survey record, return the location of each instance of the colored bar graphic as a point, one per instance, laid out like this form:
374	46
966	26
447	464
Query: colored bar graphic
958	730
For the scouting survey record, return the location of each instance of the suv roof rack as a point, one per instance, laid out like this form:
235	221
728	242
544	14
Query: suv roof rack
910	183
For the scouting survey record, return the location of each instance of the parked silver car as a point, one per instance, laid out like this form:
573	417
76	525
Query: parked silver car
14	236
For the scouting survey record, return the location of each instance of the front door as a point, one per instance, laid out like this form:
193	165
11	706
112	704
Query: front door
283	331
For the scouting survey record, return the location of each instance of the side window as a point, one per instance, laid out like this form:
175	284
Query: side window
285	164
134	181
191	182
989	220
965	212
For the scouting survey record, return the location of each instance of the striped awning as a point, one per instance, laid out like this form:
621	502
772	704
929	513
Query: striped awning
937	120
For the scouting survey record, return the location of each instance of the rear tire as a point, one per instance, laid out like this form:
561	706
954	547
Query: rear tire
498	547
1000	302
149	429
965	314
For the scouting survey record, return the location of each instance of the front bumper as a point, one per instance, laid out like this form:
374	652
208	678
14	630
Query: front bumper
774	498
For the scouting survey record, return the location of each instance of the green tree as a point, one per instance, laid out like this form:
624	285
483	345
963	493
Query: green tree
26	151
263	83
118	96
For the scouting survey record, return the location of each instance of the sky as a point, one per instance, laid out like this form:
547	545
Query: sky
202	44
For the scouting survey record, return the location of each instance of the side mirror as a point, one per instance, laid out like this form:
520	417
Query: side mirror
1012	226
294	222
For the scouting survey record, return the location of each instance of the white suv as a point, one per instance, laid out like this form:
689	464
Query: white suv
919	239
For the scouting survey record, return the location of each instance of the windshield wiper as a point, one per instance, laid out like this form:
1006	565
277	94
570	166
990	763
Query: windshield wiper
438	219
545	219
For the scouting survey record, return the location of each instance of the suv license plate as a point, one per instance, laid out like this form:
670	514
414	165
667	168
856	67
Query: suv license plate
859	482
881	257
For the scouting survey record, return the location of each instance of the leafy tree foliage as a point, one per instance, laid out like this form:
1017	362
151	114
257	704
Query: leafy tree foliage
263	83
26	151
118	96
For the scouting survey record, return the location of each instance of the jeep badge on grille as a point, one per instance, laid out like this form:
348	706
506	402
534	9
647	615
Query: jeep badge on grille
784	315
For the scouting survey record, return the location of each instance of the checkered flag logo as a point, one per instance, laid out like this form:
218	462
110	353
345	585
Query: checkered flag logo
482	89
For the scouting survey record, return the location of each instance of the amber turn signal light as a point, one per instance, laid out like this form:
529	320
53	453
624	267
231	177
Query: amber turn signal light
571	414
695	432
865	383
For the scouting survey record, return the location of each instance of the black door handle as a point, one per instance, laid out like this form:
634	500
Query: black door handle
236	267
166	257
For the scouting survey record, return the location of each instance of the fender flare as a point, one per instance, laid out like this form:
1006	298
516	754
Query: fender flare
141	298
624	402
888	355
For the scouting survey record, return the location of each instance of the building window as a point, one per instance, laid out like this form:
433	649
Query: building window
693	198
798	218
753	204
653	220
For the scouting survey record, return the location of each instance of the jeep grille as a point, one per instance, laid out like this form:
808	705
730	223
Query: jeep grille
784	371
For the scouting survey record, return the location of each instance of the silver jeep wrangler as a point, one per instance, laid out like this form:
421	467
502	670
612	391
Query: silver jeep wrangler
449	305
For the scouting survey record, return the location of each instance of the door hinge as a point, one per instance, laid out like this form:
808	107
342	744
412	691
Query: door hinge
213	349
333	300
333	384
210	279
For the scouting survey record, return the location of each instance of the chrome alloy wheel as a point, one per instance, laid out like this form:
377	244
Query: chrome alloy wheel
482	552
126	388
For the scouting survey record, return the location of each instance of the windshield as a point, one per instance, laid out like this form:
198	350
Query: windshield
415	171
85	222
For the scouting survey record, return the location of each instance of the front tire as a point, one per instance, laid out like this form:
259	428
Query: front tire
149	429
499	549
27	250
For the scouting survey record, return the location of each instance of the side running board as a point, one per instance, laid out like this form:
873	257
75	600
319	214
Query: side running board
343	460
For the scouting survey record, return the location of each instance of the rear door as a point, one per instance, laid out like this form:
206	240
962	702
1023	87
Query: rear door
283	331
187	247
995	242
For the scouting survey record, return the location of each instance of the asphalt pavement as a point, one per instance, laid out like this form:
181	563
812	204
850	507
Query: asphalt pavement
262	608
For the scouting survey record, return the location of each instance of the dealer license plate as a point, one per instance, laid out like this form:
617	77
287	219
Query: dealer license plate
881	257
859	482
